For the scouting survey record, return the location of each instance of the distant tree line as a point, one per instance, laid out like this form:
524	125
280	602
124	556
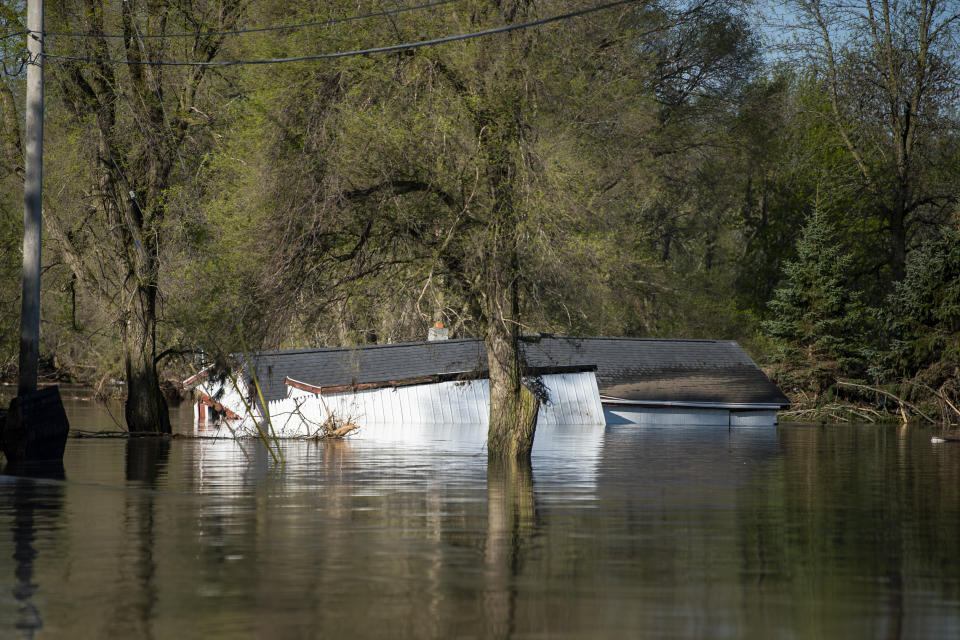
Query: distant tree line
782	174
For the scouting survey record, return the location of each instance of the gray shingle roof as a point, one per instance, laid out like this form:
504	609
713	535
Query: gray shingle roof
637	369
660	370
373	363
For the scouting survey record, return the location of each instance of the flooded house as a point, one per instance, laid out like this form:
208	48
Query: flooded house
581	381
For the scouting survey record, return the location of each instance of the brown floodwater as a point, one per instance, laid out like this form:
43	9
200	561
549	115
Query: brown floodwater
786	532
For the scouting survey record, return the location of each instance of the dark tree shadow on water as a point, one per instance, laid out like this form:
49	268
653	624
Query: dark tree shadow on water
35	501
511	522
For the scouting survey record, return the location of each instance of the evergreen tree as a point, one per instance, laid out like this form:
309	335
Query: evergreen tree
817	323
923	314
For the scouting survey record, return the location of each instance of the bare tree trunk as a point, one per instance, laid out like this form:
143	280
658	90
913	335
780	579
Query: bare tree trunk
146	408
513	408
897	240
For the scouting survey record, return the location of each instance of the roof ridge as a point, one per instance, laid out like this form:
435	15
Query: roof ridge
622	338
528	338
388	345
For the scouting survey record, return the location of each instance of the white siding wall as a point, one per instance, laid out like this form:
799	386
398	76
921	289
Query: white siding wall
294	392
759	418
229	397
666	415
574	400
689	416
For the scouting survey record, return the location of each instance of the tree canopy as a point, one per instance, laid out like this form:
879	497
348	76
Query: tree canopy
654	168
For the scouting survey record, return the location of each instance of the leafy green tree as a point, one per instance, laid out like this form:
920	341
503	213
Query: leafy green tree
11	238
817	322
886	71
506	178
12	19
781	161
134	127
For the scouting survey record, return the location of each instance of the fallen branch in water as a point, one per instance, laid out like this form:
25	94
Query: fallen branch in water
127	435
941	395
334	426
903	403
947	400
342	431
836	413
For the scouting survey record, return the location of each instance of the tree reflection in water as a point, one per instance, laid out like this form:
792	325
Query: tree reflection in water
511	522
35	502
145	461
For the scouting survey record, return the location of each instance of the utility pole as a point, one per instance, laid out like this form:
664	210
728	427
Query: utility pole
35	428
32	200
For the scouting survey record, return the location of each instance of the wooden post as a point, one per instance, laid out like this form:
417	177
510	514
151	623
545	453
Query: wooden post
32	193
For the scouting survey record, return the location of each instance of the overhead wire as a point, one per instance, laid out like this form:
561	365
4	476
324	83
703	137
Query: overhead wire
6	72
22	59
233	32
357	52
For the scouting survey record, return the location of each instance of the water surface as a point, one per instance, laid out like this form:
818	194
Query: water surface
786	532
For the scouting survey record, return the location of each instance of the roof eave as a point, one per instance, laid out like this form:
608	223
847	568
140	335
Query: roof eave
758	406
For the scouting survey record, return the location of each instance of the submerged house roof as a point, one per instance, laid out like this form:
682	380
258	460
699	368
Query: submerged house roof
629	370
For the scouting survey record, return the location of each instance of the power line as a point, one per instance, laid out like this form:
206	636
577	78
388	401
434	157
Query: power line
289	27
357	52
